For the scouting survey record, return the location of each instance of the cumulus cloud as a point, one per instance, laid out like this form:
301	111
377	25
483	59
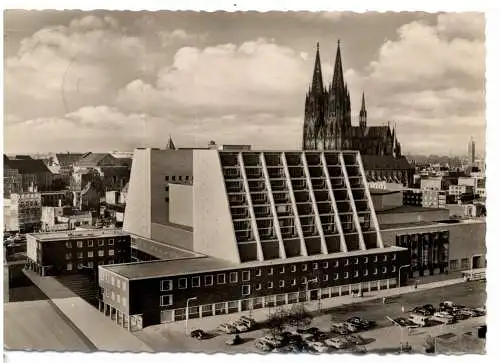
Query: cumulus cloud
179	36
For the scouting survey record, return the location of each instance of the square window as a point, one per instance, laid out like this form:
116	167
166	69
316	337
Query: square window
91	264
356	261
325	277
282	283
258	272
111	242
195	281
100	253
167	285
245	290
346	275
167	178
375	271
346	262
336	276
221	279
375	258
68	256
303	280
100	243
294	268
315	266
270	285
118	283
209	280
79	266
356	273
258	287
394	257
270	272
282	270
79	244
366	259
111	252
69	266
79	255
90	254
233	277
385	257
365	272
325	264
384	270
68	244
304	267
294	282
173	177
245	275
182	283
393	268
165	300
90	243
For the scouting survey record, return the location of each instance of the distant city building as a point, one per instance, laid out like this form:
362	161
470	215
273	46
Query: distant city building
69	252
433	198
24	172
64	218
23	212
472	151
56	198
412	197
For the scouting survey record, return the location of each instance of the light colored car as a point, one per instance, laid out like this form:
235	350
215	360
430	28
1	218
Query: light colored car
242	327
228	328
319	347
338	343
419	320
273	341
262	345
351	327
443	317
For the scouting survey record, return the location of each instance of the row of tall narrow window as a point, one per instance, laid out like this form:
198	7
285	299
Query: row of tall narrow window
90	243
90	254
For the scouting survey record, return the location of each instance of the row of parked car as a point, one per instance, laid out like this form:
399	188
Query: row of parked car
243	324
308	340
447	313
352	325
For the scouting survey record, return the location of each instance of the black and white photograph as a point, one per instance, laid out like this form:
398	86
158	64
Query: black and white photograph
244	182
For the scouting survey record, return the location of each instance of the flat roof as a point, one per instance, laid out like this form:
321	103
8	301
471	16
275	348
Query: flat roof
410	209
408	225
72	235
376	191
161	250
423	224
185	266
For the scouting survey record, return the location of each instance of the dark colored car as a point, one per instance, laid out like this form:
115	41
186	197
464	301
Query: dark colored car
429	308
198	334
361	323
422	311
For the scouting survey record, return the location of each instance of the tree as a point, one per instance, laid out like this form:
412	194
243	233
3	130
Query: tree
298	316
430	344
276	322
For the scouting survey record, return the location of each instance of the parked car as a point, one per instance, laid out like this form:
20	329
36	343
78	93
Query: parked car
353	328
480	311
263	346
242	327
419	320
403	322
321	336
319	347
273	341
420	310
361	323
312	330
249	321
235	340
430	308
228	328
199	334
338	343
339	328
443	317
355	339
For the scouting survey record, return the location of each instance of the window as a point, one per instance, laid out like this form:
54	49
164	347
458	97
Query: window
294	282
366	259
90	243
233	277
173	178
124	301
315	266
245	275
270	285
91	264
245	290
68	256
282	270
453	264
270	271
356	273
346	275
165	300
79	255
393	268
304	267
385	257
182	283
111	242
166	199
166	285
100	253
282	283
167	178
365	273
100	243
166	188
394	257
195	281
356	261
209	280
464	263
69	266
258	287
79	244
294	268
375	258
375	271
384	270
111	252
303	280
79	266
90	254
118	283
325	277
336	276
337	263
258	272
325	264
346	262
221	279
112	295
68	244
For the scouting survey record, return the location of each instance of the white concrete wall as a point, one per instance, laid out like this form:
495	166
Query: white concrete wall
137	219
181	204
31	247
213	227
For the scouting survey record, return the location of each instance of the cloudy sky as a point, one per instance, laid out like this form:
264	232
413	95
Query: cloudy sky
77	81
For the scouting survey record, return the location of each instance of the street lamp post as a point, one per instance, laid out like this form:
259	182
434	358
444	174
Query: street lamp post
399	274
187	311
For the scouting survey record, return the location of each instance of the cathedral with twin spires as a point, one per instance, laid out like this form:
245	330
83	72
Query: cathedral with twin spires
327	119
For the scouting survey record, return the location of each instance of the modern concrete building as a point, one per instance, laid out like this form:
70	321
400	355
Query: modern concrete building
70	252
23	213
254	229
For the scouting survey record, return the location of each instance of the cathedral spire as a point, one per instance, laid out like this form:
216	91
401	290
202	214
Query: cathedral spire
338	72
363	113
170	144
317	81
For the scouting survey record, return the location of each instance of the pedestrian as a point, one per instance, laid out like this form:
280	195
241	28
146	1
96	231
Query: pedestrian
383	300
416	284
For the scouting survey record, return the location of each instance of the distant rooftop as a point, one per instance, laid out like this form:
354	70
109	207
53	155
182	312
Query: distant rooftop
375	191
165	268
72	235
410	209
